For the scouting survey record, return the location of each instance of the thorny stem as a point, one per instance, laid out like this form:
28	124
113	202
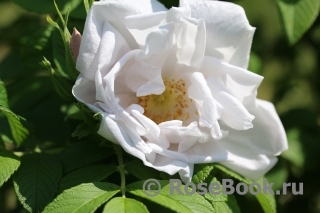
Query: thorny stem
121	169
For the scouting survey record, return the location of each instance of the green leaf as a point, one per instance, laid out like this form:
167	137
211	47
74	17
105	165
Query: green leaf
213	197
9	163
266	200
183	203
139	170
87	5
201	172
83	153
36	180
298	16
19	133
125	205
86	198
47	6
3	95
87	174
231	206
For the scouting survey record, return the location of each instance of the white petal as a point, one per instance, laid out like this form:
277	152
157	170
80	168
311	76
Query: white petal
144	79
257	146
186	173
250	166
208	108
115	11
140	26
133	128
105	38
229	34
154	134
161	163
184	2
234	114
208	152
84	90
159	40
191	42
186	137
151	157
241	83
169	165
101	46
144	6
201	153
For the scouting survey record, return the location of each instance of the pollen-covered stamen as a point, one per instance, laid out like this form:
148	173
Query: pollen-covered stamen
172	104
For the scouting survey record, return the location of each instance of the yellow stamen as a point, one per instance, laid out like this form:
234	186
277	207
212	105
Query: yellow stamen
170	105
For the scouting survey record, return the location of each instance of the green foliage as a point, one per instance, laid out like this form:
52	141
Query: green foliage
46	6
93	173
201	172
69	69
86	197
81	154
176	202
125	205
3	95
87	4
298	16
79	176
19	132
36	180
266	200
9	163
230	206
213	197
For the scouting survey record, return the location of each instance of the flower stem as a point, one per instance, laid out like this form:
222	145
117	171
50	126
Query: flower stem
121	169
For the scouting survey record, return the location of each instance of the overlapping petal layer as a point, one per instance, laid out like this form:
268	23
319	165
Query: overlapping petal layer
172	86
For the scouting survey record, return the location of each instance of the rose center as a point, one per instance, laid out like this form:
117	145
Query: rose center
172	104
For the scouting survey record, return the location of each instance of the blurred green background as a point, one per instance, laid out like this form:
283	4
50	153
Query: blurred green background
291	82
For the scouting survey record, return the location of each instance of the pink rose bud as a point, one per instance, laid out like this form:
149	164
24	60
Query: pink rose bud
75	43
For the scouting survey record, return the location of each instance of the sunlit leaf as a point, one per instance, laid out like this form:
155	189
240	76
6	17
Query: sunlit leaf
298	16
184	203
86	198
125	205
9	163
19	132
201	172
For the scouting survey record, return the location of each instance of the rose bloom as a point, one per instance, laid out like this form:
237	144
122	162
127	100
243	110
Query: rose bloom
172	86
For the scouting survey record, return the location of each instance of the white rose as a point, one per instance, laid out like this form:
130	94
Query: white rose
173	88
